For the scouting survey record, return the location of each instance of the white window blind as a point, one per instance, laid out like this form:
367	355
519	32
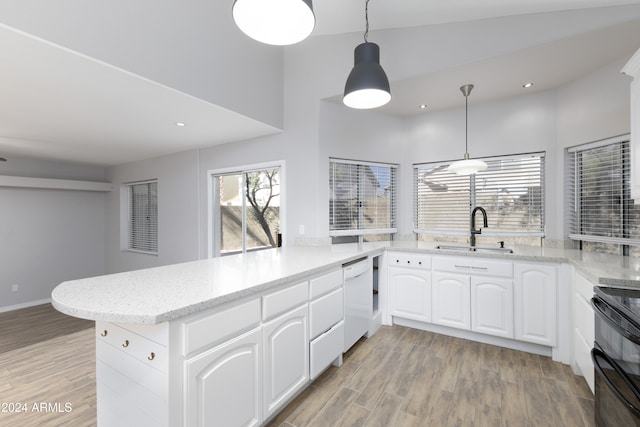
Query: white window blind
143	216
511	190
601	209
362	198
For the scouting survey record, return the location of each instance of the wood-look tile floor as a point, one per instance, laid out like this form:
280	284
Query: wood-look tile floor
406	377
398	377
47	369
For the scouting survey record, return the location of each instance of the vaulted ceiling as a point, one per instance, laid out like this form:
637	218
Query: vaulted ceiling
59	104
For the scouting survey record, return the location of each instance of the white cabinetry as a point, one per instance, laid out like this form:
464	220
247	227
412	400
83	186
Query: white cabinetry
492	306
584	328
535	303
286	355
410	290
326	321
632	69
286	345
132	374
451	300
473	294
223	385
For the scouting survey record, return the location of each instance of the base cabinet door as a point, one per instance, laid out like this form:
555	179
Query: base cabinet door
286	358
410	293
535	313
224	386
492	306
451	300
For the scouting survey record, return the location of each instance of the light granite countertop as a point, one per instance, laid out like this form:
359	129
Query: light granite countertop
161	294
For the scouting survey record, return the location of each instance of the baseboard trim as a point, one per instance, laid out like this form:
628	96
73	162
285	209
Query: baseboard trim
25	305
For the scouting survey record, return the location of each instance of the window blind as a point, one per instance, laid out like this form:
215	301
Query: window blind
143	216
601	209
362	198
511	190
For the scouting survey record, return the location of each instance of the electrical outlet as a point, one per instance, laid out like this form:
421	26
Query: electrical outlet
14	287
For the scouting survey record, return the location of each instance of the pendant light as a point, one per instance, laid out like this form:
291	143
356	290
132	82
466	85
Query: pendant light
275	22
367	85
466	166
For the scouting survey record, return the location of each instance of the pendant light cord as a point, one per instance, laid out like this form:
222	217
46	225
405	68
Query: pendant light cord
366	18
466	125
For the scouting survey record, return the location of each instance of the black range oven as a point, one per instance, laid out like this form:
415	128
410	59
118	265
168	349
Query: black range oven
616	356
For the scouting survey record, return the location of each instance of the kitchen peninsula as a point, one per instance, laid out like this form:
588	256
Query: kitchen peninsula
188	337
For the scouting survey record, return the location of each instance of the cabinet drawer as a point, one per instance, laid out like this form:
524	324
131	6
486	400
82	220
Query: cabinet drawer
326	348
583	358
584	318
145	350
471	265
278	302
325	312
323	284
130	367
210	329
409	260
584	287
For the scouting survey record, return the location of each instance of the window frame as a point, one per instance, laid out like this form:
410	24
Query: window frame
213	211
574	222
462	228
360	232
128	238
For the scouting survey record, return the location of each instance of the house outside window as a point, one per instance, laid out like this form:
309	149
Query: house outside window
602	215
362	200
511	190
142	233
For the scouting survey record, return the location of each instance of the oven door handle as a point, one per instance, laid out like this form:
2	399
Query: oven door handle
595	354
597	303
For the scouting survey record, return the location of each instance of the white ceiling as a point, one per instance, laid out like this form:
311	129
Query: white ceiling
52	108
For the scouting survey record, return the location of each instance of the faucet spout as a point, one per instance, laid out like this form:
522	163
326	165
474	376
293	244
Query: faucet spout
474	232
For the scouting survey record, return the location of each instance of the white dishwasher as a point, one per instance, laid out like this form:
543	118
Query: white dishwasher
358	299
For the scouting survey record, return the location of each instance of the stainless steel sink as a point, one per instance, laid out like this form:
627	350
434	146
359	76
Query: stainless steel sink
494	250
454	248
475	249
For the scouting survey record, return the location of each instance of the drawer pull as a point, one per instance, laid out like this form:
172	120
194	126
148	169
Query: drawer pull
152	356
104	334
126	343
479	268
462	266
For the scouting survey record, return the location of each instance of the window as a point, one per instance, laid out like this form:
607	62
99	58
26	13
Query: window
143	217
362	199
602	215
246	210
511	190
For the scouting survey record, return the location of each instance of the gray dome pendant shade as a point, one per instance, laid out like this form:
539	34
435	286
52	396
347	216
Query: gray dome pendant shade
275	22
367	85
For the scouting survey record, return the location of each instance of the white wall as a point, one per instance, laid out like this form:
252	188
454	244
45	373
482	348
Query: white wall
48	236
513	125
178	223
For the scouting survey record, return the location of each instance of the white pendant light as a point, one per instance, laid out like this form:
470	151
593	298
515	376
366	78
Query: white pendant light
367	85
275	22
466	166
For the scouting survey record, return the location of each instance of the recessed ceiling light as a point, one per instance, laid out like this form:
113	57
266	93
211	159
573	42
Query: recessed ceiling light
423	106
180	124
527	85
